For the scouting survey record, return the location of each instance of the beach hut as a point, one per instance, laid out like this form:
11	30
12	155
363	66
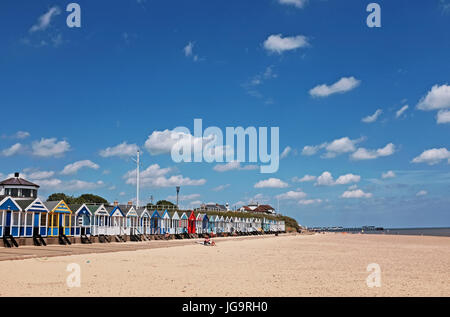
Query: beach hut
81	220
155	223
144	220
184	223
227	225
212	224
10	213
205	223
174	223
132	220
99	219
33	220
165	222
191	222
199	222
60	220
116	221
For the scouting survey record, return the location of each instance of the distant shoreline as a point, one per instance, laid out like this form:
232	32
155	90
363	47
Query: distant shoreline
436	232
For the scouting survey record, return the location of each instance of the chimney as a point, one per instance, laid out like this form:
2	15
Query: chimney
16	175
116	203
130	203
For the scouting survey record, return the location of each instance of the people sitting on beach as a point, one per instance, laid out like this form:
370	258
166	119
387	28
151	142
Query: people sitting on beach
207	241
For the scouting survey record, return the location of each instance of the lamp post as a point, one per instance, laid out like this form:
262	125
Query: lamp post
178	192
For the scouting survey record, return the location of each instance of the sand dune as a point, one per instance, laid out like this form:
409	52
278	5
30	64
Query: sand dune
316	265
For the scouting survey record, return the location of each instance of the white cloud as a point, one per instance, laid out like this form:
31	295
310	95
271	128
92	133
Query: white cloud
50	147
326	179
77	185
443	116
121	150
271	183
365	154
285	152
306	178
39	175
12	150
162	142
372	118
75	167
432	156
276	43
189	51
21	134
388	174
437	98
292	195
306	202
358	193
45	19
155	176
422	193
234	165
184	197
333	149
347	179
341	86
221	187
402	110
296	3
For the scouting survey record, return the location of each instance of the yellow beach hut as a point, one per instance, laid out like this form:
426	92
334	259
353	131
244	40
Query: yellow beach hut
59	221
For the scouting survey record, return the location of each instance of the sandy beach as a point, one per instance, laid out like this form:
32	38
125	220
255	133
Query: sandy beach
290	265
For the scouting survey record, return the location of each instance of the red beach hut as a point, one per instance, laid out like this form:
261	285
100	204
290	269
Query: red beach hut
191	222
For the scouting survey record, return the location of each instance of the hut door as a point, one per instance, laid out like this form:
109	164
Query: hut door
37	221
8	223
61	222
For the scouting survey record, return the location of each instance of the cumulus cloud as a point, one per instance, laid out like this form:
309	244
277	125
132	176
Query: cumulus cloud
50	147
271	183
422	193
401	111
276	43
365	154
306	178
76	166
189	51
285	152
358	193
443	116
296	3
326	179
121	150
38	175
432	156
234	165
184	197
388	174
306	202
373	117
221	187
343	85
334	148
155	176
292	195
12	150
437	98
45	19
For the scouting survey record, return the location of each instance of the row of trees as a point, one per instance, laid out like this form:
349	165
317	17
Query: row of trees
83	199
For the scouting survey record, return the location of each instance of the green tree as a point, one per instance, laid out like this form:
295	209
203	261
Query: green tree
92	199
60	196
165	203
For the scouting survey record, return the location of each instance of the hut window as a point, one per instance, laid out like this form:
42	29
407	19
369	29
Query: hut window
29	221
43	220
73	220
15	218
1	218
14	192
67	220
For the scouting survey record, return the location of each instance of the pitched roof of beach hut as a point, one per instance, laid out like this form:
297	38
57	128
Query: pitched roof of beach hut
174	215
32	205
9	203
98	210
184	216
58	207
143	212
80	209
156	214
115	211
131	212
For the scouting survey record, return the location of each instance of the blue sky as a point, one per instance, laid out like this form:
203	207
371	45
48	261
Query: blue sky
333	86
